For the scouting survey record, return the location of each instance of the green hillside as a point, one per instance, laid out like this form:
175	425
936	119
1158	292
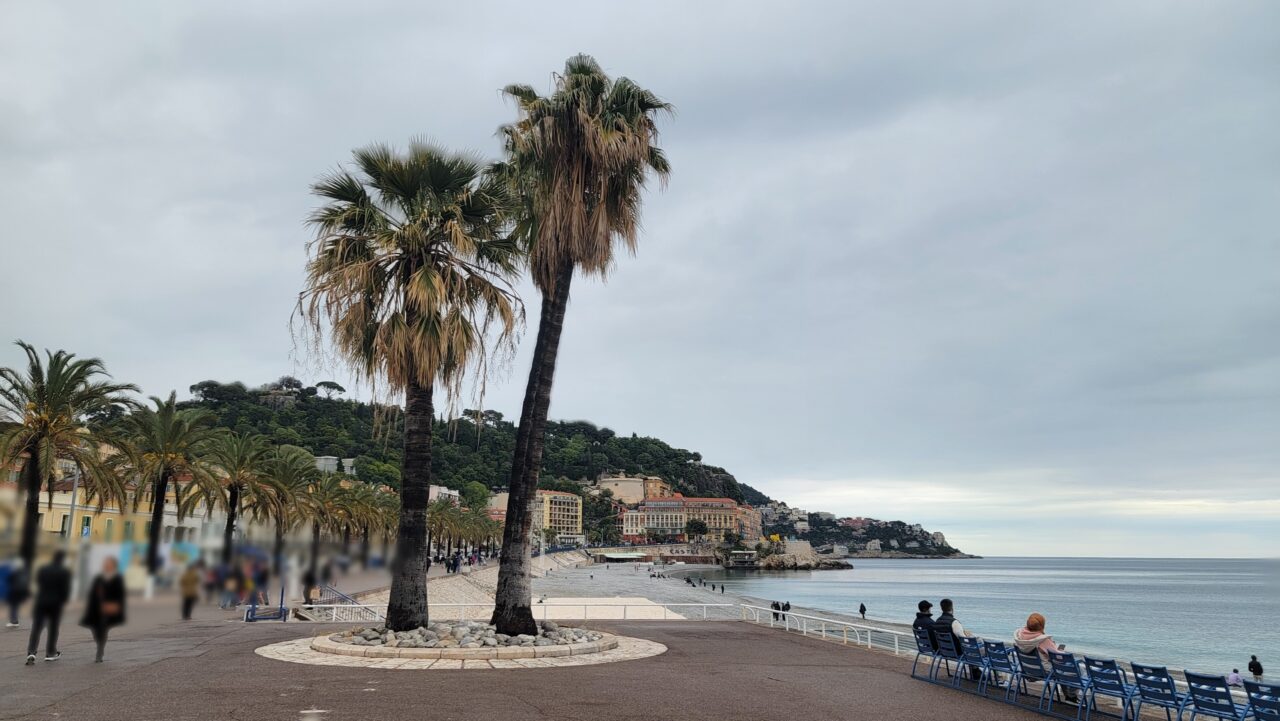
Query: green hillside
474	447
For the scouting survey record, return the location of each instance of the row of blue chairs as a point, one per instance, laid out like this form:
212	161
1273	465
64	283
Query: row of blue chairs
993	664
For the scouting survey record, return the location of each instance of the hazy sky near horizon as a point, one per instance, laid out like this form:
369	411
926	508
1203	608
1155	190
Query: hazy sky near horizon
1007	269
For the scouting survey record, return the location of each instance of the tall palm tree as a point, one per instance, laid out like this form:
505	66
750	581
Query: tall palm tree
292	470
53	411
166	447
241	482
579	158
409	273
328	508
443	521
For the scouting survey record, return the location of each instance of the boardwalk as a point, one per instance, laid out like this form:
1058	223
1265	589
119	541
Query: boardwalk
712	670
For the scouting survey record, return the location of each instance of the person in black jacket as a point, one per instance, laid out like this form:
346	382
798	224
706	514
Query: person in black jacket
1255	668
924	620
53	588
105	607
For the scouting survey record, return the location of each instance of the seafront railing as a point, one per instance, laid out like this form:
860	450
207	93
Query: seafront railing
846	632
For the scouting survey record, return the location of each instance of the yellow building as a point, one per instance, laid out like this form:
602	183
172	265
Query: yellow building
561	512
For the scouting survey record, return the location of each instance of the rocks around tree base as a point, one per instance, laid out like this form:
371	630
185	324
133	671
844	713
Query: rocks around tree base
464	634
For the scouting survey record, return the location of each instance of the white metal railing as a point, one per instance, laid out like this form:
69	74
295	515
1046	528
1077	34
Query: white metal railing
342	613
829	628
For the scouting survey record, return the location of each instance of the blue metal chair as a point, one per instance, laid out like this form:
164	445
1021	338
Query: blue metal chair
1067	674
1264	700
924	647
948	651
1211	696
1032	669
1156	687
1000	660
971	658
1106	678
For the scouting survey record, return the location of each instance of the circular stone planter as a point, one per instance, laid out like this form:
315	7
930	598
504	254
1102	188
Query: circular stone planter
325	644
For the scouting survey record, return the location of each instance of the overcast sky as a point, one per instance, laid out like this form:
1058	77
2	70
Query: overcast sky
1009	270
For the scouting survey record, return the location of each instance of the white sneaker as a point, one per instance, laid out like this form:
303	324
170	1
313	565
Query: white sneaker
11	625
54	657
31	659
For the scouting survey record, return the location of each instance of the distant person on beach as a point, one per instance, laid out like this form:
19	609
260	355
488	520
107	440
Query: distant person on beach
862	611
1255	668
776	607
53	589
786	606
924	620
1233	678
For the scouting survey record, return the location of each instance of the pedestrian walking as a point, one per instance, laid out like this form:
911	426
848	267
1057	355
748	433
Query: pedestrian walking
53	588
786	606
862	611
19	591
1255	668
190	586
776	607
105	609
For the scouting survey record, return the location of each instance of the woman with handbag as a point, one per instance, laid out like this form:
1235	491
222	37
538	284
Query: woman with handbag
105	608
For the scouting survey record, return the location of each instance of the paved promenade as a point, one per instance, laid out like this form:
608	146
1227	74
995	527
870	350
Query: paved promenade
159	668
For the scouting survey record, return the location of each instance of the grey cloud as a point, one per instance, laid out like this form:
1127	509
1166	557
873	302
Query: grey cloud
964	240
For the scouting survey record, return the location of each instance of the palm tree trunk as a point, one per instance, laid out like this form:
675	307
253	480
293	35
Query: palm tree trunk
511	610
407	605
31	523
364	547
277	553
158	493
228	533
315	550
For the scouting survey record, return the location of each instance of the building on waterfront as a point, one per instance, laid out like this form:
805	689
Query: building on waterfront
750	525
633	526
667	518
561	512
327	464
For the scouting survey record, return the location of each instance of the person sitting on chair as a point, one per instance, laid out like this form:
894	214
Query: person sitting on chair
1032	637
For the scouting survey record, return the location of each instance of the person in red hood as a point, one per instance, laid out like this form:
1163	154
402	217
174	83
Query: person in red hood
1032	637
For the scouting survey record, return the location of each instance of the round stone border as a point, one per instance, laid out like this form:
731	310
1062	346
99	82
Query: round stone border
300	650
326	644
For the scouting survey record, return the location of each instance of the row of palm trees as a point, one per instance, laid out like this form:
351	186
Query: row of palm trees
412	272
62	408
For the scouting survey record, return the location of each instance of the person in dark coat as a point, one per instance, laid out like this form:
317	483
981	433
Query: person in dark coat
924	620
53	588
105	607
18	593
862	610
776	607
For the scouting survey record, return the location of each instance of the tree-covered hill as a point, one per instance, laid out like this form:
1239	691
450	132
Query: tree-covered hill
474	447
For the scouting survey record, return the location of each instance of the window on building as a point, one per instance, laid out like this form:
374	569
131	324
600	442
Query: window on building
86	526
109	532
128	531
146	530
65	527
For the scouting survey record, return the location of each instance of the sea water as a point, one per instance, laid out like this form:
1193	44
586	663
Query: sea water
1205	615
